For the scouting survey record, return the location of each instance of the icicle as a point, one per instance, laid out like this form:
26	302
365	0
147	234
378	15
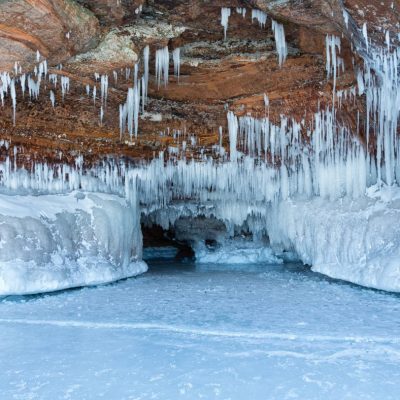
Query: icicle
37	56
88	90
146	57
225	14
266	101
115	76
233	133
94	94
23	84
64	86
135	74
104	88
52	98
176	55
260	16
365	34
346	18
162	66
332	60
242	11
53	78
101	115
13	98
280	41
387	40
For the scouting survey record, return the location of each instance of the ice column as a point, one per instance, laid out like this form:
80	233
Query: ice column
233	133
146	57
13	98
280	41
260	16
225	14
176	55
162	66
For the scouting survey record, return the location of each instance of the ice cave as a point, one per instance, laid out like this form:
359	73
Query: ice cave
199	200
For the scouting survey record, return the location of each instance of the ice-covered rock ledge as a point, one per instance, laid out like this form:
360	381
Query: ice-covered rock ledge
354	240
54	242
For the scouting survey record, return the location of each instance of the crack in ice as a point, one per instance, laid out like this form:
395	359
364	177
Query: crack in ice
203	332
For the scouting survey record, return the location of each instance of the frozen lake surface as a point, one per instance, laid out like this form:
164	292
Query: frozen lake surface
211	332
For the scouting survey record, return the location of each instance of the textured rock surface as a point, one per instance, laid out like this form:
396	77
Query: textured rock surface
89	37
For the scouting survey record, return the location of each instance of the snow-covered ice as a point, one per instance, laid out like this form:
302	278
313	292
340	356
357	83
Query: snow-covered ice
53	242
236	252
212	332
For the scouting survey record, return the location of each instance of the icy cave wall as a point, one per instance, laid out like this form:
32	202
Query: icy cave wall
54	242
279	121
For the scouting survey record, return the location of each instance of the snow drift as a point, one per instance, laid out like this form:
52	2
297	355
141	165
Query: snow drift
53	242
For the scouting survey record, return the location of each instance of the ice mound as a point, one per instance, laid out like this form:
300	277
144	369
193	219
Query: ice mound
354	240
236	251
54	242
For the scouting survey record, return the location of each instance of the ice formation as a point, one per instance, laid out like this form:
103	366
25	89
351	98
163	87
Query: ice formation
146	57
260	16
233	132
176	55
242	11
13	98
162	66
236	251
315	190
333	62
66	241
52	98
64	85
104	88
365	34
225	14
280	41
129	112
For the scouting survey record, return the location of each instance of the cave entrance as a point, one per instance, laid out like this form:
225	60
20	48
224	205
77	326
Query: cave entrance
182	237
200	239
162	245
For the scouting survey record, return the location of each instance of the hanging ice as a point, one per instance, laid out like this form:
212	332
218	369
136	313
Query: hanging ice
13	98
23	84
280	41
104	88
176	55
346	18
101	115
225	14
129	112
233	133
260	16
146	58
242	11
333	61
52	98
64	85
365	34
162	66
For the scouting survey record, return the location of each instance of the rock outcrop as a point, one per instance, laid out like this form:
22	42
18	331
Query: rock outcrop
85	37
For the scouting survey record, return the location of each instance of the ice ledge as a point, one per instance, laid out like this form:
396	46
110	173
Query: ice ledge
56	242
354	240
